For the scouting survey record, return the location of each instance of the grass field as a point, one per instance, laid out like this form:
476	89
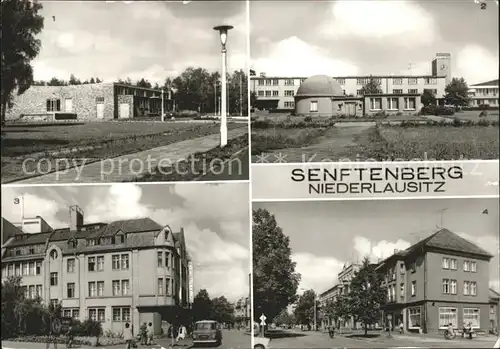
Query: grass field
473	115
92	140
378	143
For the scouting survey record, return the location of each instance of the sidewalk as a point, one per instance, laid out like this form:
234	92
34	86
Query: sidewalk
128	167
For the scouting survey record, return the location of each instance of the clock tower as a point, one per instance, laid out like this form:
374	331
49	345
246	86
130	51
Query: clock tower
441	66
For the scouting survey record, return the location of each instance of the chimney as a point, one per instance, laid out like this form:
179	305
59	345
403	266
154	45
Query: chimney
76	218
262	75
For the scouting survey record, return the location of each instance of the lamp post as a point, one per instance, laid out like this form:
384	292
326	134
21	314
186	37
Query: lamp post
162	107
315	315
223	29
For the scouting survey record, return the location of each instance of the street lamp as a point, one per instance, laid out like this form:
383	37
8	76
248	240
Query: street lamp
223	29
162	107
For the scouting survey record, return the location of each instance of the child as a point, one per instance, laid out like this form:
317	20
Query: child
128	336
150	334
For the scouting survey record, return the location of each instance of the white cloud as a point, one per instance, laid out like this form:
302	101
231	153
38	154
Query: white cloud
476	64
396	22
317	273
294	57
364	247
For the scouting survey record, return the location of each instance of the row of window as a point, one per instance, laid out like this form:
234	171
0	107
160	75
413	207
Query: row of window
99	314
291	93
23	269
359	81
447	315
32	291
449	286
410	103
452	264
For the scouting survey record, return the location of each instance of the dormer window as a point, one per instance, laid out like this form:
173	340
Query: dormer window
120	237
91	242
72	243
53	254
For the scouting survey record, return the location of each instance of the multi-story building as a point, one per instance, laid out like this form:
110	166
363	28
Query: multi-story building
484	93
440	280
101	101
345	277
131	270
242	312
277	92
494	310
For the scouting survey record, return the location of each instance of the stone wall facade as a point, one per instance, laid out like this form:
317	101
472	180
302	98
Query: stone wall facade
84	100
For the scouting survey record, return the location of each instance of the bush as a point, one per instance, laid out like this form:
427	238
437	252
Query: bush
262	124
92	328
308	118
437	110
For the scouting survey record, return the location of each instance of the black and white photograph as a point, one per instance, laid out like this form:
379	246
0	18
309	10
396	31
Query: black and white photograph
126	265
376	273
374	80
124	91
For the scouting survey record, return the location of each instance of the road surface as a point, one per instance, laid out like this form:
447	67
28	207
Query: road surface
304	340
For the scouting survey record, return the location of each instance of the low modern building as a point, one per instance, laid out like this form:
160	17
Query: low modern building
440	280
278	92
100	101
484	93
321	95
97	271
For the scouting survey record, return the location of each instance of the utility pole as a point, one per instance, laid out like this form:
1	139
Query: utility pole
241	93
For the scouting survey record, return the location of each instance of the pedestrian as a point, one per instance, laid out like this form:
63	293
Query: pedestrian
469	330
128	336
150	335
181	334
401	327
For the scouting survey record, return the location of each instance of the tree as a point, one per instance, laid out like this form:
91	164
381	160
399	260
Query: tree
92	81
143	83
237	93
74	81
366	295
20	24
457	93
304	311
253	99
97	80
428	98
275	281
202	306
371	87
56	82
337	309
222	310
284	318
192	88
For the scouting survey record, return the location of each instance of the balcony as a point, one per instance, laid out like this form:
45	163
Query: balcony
155	301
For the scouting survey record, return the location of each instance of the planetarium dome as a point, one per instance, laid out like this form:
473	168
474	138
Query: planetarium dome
319	86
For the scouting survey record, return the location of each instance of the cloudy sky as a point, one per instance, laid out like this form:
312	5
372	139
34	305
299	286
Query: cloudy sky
149	39
215	220
373	37
325	235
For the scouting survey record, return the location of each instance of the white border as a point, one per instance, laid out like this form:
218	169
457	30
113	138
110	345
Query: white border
350	163
14	185
250	192
378	198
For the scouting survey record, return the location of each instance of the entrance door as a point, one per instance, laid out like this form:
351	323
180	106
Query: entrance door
100	110
68	105
124	111
350	109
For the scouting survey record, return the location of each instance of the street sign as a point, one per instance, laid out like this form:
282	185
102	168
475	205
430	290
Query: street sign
263	320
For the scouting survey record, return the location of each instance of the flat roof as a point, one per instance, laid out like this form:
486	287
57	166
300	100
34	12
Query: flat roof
354	77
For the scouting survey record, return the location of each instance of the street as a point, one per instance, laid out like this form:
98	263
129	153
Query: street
305	340
233	339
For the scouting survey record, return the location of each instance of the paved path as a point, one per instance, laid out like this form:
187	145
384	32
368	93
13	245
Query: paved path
128	167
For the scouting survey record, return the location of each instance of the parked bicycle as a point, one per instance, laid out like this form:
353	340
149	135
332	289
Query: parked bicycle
449	333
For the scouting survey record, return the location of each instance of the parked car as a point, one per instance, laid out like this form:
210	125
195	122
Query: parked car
207	332
261	343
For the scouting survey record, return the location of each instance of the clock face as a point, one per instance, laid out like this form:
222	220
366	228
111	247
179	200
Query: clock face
443	67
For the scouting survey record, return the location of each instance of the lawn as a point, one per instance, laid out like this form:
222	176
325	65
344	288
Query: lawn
228	163
378	143
473	115
94	141
440	143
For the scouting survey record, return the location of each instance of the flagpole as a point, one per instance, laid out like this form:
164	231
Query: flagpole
22	209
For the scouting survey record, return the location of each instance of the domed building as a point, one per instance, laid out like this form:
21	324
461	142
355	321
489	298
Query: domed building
321	95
